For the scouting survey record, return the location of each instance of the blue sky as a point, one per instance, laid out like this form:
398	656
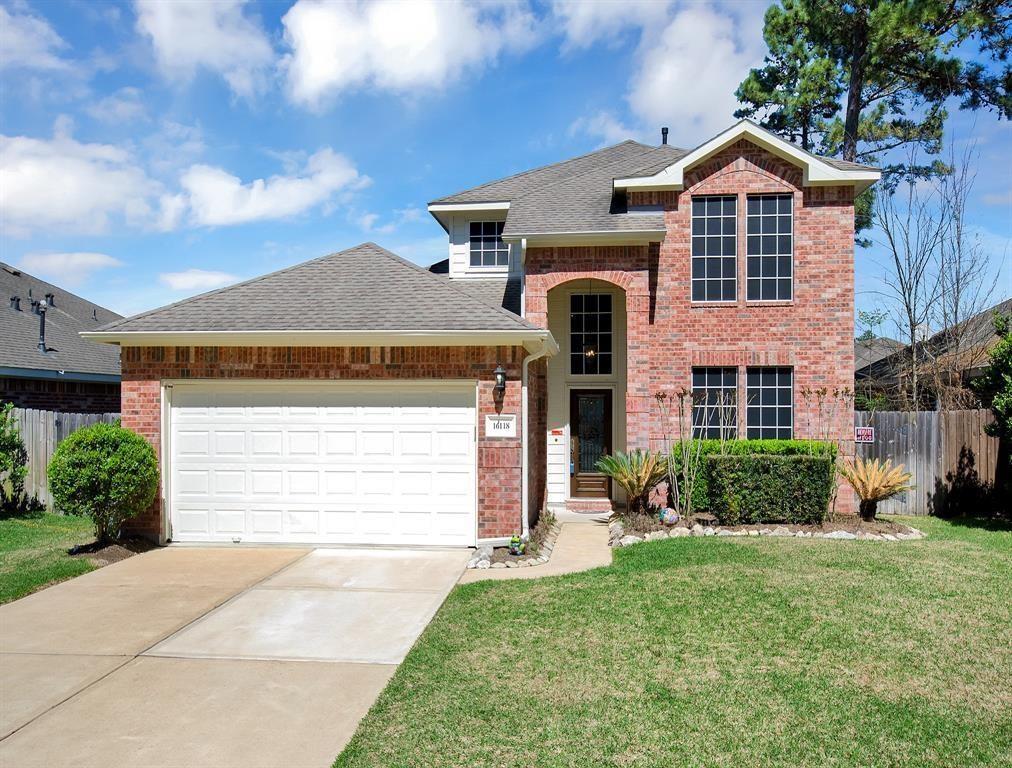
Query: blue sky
154	150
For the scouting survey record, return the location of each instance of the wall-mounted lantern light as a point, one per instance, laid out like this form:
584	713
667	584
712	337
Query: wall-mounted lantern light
500	380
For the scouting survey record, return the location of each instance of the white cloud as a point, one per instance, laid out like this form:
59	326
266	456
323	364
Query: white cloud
68	269
396	46
217	198
604	125
584	23
196	279
173	147
213	35
122	106
64	184
688	66
368	221
997	198
687	76
29	42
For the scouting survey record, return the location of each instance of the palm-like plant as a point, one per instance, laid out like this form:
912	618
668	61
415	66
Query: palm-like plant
874	481
637	473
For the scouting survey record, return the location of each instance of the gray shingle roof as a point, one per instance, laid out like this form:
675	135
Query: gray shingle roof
583	203
519	184
868	351
365	288
501	293
577	195
70	314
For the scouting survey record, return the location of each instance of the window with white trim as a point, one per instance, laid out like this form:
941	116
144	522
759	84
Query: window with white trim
590	334
487	247
769	247
715	402
769	397
714	248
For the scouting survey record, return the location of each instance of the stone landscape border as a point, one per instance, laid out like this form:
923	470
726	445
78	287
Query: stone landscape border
618	538
482	557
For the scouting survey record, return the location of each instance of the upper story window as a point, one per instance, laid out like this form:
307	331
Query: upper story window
715	402
714	248
769	248
487	247
769	400
590	336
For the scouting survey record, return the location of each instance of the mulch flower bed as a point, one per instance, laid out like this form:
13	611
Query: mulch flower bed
539	549
112	552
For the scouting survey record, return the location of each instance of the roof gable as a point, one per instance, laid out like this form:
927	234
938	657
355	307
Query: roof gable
817	171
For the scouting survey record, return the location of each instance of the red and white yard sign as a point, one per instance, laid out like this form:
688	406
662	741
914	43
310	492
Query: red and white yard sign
864	434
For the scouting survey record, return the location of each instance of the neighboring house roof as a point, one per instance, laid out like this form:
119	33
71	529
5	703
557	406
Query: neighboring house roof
868	351
961	347
975	330
361	290
66	351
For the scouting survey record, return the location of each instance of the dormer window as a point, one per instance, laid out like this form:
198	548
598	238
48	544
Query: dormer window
487	247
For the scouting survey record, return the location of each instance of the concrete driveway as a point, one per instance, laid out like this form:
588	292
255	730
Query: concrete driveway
211	657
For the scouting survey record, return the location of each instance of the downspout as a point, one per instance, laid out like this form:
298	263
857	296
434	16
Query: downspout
525	523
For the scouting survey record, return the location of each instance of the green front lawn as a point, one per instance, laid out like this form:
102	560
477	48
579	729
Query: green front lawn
719	652
33	553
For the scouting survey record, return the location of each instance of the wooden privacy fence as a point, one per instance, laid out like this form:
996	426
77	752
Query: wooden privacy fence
952	460
41	432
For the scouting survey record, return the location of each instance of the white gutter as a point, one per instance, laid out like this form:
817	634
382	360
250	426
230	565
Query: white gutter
548	348
531	338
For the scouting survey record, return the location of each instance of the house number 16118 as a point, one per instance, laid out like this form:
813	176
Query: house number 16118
503	425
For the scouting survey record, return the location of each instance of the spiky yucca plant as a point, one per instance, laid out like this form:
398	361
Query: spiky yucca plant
637	473
874	481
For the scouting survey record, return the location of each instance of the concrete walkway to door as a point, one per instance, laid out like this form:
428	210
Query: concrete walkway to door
193	657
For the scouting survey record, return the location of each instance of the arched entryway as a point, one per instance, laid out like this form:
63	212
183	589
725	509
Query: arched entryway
587	387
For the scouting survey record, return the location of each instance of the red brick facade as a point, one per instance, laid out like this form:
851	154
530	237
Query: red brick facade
65	396
668	334
499	460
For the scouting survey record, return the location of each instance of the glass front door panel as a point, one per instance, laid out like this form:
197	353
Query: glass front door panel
591	431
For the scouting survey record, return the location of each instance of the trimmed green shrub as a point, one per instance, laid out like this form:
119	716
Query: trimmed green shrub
749	489
105	472
700	492
14	502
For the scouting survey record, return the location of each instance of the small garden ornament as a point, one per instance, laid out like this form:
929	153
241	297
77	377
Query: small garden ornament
517	545
668	516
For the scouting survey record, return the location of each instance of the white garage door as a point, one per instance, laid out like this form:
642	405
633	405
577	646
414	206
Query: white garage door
376	464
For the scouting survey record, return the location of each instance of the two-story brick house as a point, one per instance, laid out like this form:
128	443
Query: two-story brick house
358	398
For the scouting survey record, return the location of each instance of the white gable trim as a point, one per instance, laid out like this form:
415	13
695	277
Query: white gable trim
467	207
816	171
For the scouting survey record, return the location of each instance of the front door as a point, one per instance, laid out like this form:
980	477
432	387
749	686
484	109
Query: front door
590	422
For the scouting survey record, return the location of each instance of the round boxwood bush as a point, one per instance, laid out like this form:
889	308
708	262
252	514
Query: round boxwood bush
105	472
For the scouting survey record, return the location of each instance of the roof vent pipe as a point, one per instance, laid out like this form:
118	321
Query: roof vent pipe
42	327
664	135
16	303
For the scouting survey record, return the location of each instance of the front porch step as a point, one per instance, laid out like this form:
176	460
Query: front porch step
590	505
